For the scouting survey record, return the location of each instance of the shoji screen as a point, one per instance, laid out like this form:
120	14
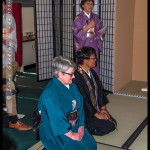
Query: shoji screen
67	36
54	20
44	38
107	13
56	27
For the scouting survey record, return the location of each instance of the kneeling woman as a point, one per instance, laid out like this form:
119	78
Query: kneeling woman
61	106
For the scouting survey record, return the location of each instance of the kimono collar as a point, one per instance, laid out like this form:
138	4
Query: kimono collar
63	89
67	86
87	14
88	72
59	84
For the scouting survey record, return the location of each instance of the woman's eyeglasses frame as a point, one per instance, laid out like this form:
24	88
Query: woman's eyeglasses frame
70	74
88	4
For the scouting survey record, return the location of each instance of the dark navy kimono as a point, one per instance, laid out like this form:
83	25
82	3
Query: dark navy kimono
95	126
55	101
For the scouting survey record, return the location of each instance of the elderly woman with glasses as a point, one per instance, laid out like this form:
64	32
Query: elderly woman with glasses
87	30
61	106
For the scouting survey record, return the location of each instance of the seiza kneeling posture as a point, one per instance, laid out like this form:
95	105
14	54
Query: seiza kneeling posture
98	119
61	106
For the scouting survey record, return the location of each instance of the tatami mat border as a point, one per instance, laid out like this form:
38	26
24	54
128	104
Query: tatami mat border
135	134
112	146
137	96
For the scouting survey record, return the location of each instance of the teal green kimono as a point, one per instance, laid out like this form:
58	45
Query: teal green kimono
55	101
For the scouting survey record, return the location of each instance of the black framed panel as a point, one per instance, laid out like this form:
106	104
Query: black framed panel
67	21
107	14
57	27
44	38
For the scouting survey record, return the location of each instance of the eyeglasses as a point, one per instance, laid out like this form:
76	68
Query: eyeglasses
89	4
71	75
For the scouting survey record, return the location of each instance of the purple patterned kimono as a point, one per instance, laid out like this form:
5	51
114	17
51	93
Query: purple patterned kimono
81	40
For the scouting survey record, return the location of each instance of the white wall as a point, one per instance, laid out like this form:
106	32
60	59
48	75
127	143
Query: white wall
27	19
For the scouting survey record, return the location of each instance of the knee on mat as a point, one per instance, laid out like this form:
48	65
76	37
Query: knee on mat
102	130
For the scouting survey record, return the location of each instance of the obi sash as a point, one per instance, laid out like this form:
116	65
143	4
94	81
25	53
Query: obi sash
72	117
91	33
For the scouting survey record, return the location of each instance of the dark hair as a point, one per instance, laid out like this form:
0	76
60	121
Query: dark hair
83	2
84	53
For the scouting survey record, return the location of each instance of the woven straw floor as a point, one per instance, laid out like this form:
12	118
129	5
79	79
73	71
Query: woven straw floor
126	111
133	89
129	113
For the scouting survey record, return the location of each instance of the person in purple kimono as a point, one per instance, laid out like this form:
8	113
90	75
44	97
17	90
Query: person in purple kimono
86	30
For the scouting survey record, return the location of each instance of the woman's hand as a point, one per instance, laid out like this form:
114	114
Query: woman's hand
74	136
104	32
81	131
77	137
92	24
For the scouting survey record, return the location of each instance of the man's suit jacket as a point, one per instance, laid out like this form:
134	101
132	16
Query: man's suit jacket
84	90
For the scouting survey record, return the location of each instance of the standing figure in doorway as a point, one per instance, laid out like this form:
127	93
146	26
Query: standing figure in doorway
86	30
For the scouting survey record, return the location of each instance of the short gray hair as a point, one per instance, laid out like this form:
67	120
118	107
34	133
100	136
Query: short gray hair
61	64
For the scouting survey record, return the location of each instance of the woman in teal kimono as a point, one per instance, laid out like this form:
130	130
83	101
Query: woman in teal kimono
61	106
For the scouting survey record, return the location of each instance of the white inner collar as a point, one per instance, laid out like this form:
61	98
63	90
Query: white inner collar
88	15
67	86
88	72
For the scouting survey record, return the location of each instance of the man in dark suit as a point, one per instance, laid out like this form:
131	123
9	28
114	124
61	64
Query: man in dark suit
98	119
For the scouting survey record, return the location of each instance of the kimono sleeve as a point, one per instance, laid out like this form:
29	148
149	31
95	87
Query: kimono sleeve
58	121
99	26
77	29
81	114
10	22
99	23
81	117
12	36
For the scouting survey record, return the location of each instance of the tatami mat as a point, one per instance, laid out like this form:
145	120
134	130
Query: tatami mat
129	113
133	89
107	147
141	141
37	146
